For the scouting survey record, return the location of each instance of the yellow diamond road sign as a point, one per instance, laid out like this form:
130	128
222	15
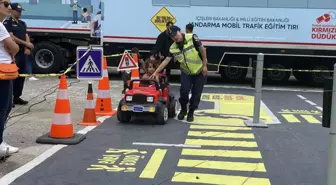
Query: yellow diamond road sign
161	18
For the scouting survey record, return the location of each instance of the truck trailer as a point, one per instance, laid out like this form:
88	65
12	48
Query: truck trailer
293	35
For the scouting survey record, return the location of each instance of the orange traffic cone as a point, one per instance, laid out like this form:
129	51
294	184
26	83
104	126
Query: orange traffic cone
61	131
135	72
104	101
90	118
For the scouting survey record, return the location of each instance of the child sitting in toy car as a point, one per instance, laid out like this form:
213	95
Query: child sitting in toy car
150	66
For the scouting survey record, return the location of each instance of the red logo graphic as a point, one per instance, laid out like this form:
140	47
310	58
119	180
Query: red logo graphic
326	17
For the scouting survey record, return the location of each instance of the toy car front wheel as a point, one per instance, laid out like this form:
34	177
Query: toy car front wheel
162	115
122	116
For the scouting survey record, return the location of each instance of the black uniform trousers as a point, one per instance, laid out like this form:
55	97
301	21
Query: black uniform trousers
195	84
21	62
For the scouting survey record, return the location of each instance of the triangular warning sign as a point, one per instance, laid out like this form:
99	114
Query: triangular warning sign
89	66
127	62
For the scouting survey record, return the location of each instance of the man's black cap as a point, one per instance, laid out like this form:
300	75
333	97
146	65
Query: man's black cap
173	30
17	7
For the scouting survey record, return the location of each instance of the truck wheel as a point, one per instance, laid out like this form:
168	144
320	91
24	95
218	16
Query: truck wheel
233	73
172	108
162	114
275	76
317	78
48	58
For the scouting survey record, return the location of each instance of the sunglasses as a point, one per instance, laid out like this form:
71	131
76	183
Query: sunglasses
6	4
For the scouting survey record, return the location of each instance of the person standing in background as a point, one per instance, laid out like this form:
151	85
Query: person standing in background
75	7
8	49
30	60
18	31
162	45
189	28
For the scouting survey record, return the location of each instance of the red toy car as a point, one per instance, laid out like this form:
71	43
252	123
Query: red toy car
150	98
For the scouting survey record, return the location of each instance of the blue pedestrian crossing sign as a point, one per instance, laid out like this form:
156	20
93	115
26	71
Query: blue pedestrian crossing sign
90	66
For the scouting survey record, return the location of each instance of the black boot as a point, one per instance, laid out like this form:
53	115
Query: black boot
19	101
190	117
182	113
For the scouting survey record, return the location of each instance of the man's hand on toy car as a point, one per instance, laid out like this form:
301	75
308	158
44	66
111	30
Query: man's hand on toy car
154	75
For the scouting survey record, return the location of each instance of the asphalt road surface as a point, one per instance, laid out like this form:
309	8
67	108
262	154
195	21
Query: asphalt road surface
217	148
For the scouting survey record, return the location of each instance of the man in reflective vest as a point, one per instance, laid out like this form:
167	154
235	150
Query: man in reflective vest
188	50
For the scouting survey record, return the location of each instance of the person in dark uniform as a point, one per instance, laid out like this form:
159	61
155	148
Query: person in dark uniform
162	45
188	50
189	28
18	30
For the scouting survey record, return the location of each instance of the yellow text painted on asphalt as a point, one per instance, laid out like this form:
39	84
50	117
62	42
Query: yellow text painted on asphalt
227	109
118	160
299	116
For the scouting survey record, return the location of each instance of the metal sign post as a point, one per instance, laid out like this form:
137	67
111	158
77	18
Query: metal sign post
257	97
331	180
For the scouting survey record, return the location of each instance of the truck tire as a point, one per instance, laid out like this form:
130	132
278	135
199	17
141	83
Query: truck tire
233	74
48	58
317	78
274	76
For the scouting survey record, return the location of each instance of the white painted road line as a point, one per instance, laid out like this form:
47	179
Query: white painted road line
310	102
12	176
275	120
165	144
300	96
291	89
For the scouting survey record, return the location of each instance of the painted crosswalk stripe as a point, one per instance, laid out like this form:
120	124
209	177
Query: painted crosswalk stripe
291	118
310	119
222	165
220	134
228	122
222	153
209	127
205	142
153	164
218	179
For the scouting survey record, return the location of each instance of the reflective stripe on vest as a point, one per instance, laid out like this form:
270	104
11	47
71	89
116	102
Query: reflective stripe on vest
193	60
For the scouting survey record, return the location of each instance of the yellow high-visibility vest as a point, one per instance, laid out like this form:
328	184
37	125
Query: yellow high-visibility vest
190	61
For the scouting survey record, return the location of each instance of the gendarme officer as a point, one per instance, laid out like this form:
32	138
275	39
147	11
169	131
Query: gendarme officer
188	50
18	30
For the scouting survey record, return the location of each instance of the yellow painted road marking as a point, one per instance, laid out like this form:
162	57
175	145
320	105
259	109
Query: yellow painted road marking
221	134
153	164
218	127
222	153
204	120
291	118
221	165
310	119
205	142
218	179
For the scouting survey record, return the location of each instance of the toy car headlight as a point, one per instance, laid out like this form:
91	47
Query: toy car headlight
150	99
129	98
